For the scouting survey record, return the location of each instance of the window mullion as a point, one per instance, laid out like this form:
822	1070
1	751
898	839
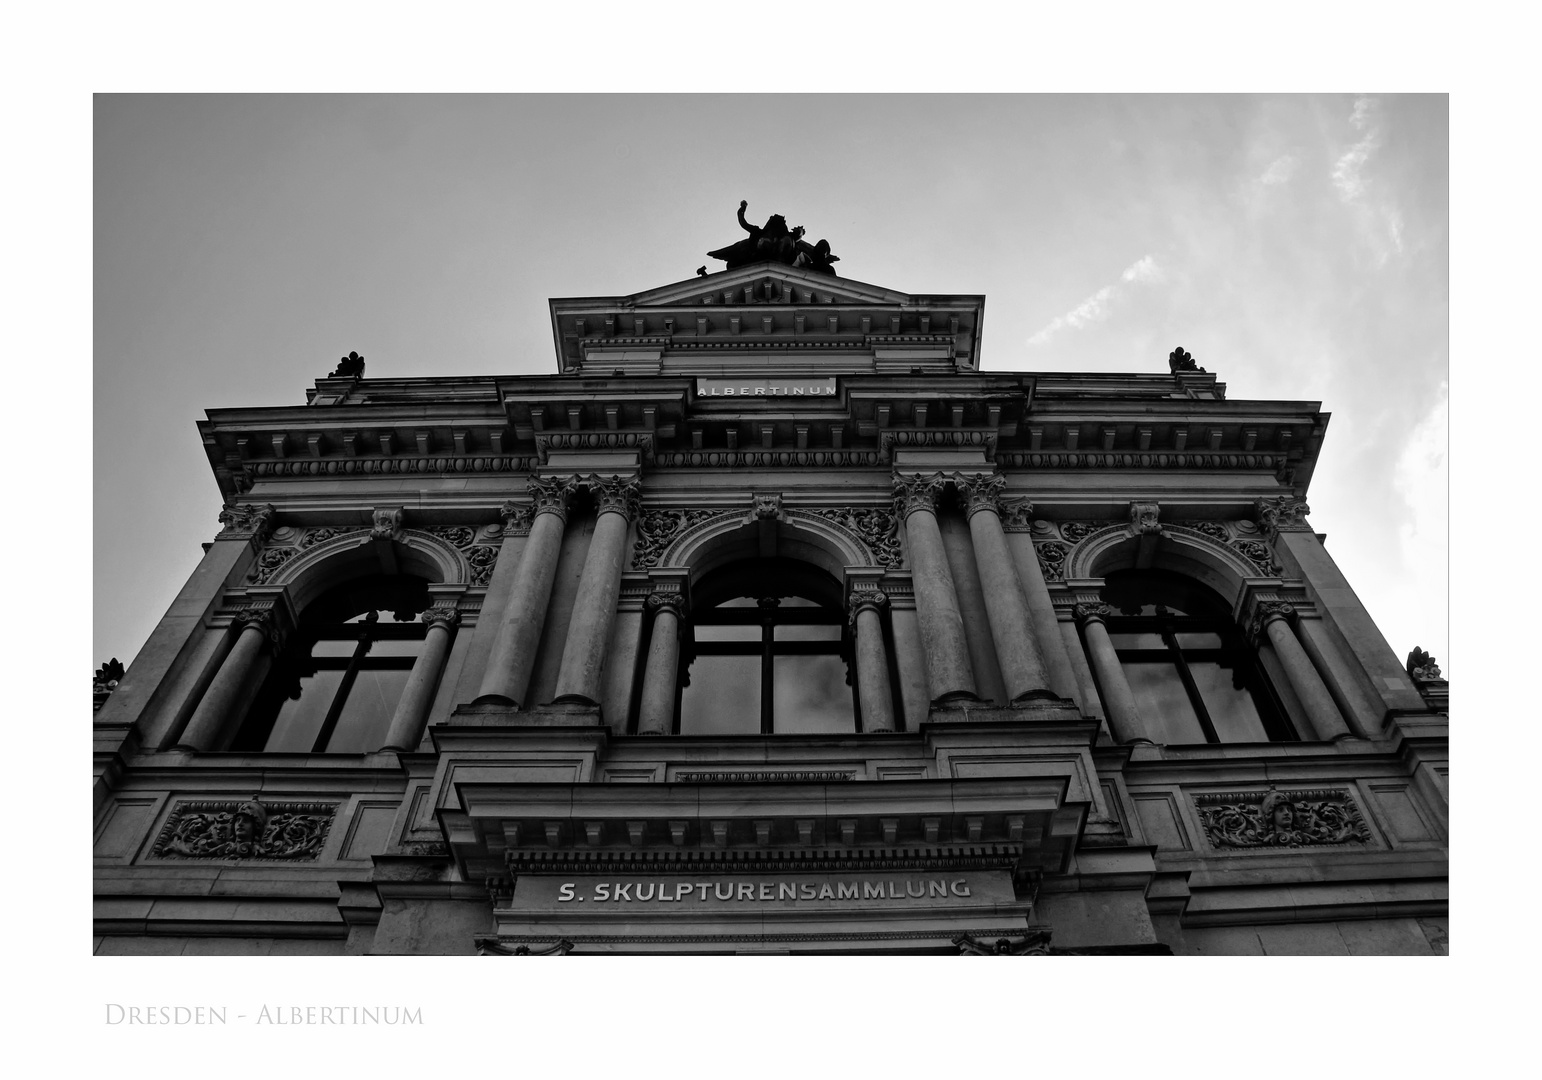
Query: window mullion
324	735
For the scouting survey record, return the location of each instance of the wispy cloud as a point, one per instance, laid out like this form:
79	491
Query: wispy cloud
1421	479
1096	307
1354	186
1280	171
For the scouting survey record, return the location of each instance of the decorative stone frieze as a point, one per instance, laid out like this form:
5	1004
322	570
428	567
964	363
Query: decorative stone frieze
551	495
656	529
1072	459
1259	554
1213	529
312	537
245	830
1284	513
769	777
1051	555
877	528
246	521
640	441
1143	518
979	493
770	459
388	522
379	466
1281	819
1034	943
615	495
912	493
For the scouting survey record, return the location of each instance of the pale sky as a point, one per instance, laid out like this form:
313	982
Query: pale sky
1295	245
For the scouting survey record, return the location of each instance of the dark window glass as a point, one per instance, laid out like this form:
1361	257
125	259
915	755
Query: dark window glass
1194	678
767	652
336	686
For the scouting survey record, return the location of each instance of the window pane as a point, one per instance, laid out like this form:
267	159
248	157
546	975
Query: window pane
740	601
411	647
1163	703
334	648
1198	641
808	633
796	601
1137	641
810	695
366	715
727	633
298	720
723	697
1231	709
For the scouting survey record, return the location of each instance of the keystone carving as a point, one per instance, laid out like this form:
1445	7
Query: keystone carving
768	506
1281	819
387	523
246	521
1143	518
1034	943
245	830
1284	513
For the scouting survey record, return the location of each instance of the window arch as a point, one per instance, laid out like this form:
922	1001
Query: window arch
1193	675
766	651
340	677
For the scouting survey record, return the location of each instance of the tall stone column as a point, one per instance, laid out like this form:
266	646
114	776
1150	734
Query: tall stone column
594	608
873	691
1018	651
1118	702
418	695
656	714
519	634
226	695
949	674
1272	618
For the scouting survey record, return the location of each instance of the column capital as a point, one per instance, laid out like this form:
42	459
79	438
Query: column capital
667	601
551	495
864	599
250	521
267	620
1086	613
615	495
446	617
516	518
1266	612
980	492
917	492
1144	518
1283	513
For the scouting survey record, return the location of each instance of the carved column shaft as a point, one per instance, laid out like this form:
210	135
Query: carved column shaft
418	695
512	657
594	608
656	713
1321	711
949	674
1118	701
1018	651
873	691
225	694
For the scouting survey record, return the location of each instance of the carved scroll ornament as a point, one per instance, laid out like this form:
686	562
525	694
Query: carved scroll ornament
1052	555
657	529
877	528
1281	819
245	830
1144	518
912	493
246	521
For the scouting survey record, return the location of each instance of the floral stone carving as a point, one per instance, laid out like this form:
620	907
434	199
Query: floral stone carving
1259	554
1077	531
657	529
1052	557
1281	819
481	558
879	530
245	830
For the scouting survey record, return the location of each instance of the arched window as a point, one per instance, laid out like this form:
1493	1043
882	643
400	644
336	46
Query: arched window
766	652
1193	675
335	687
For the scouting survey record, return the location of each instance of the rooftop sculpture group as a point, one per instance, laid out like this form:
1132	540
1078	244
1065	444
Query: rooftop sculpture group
774	242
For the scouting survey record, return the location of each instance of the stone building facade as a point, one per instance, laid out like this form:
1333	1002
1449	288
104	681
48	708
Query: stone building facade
769	623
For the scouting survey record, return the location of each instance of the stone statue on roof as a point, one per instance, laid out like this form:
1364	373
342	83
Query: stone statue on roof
775	242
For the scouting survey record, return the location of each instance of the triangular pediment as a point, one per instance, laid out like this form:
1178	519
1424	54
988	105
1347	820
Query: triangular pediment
727	286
